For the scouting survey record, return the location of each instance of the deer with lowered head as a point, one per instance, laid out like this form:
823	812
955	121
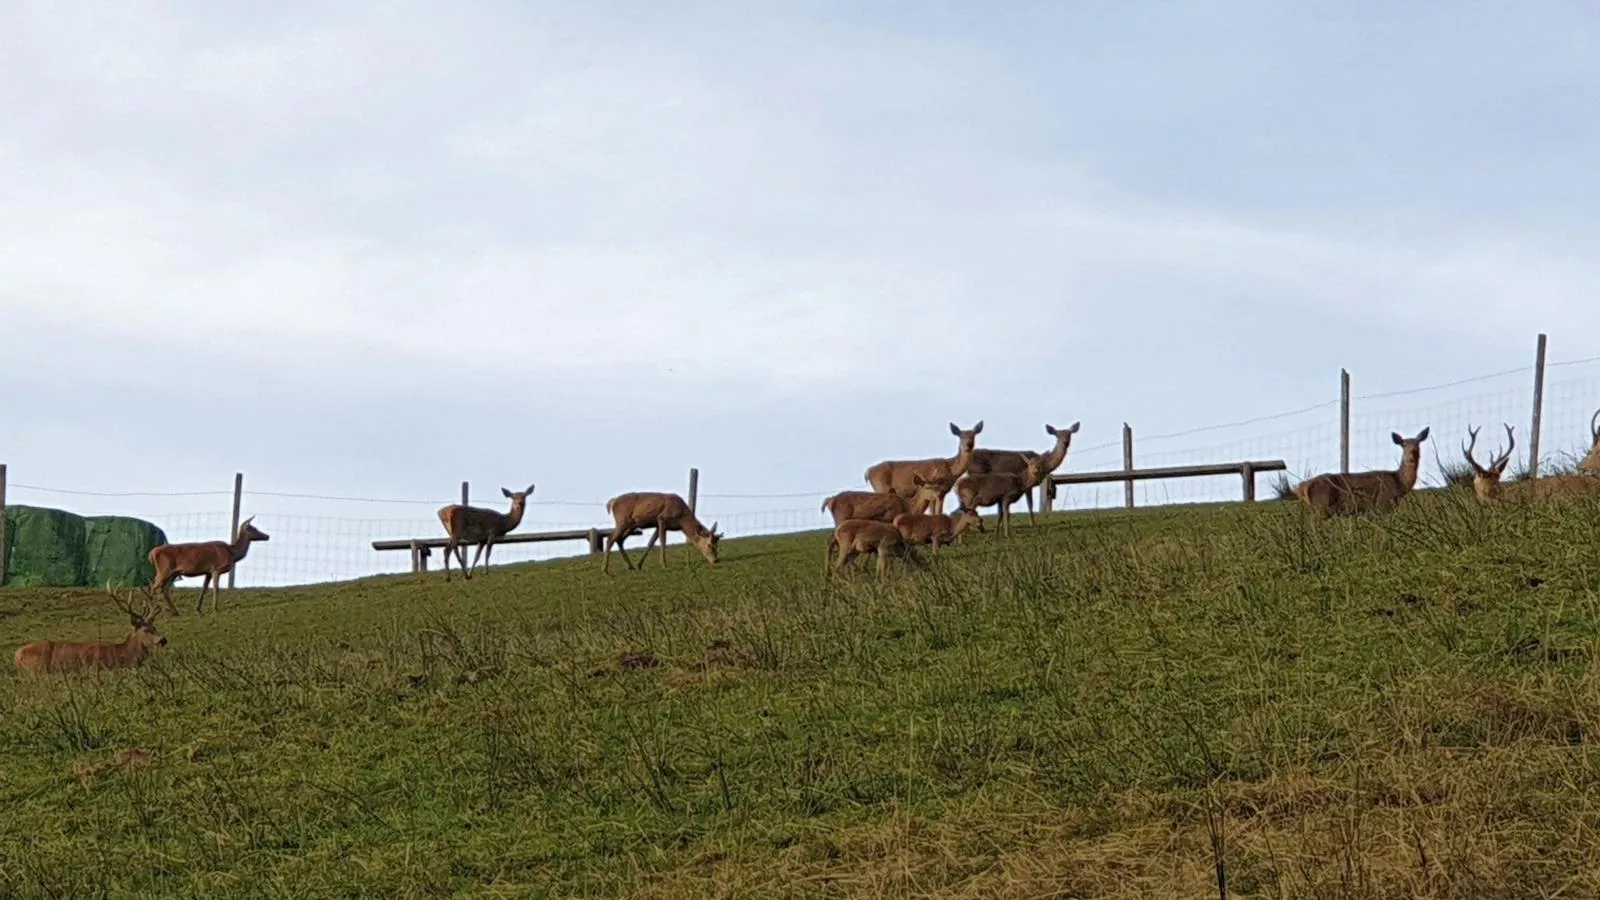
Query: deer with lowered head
987	461
1486	480
1347	493
477	525
936	529
884	507
854	537
632	513
1002	489
210	559
897	476
48	657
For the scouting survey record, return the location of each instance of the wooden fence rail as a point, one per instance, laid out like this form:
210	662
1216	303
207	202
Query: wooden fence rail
421	548
1245	470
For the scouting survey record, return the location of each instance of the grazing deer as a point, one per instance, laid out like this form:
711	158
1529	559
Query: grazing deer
635	512
936	528
1591	463
47	657
881	539
896	476
1352	492
990	462
1487	486
1001	489
477	525
884	507
211	559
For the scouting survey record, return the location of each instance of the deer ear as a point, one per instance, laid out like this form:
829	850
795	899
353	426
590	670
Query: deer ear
529	491
978	428
1423	434
1397	438
955	430
506	493
1050	430
1073	428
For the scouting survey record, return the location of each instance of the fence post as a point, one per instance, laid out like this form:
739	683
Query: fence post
463	493
594	540
233	530
1538	409
1047	495
1344	420
1249	473
1127	464
694	489
2	523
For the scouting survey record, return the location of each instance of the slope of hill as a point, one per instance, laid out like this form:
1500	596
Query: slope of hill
1111	704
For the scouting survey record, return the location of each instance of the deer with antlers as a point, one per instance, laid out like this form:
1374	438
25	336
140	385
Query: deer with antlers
632	513
477	525
896	476
884	507
1345	493
1002	489
211	559
1488	488
854	537
48	657
987	461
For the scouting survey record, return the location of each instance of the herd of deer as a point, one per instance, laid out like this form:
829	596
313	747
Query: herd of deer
892	519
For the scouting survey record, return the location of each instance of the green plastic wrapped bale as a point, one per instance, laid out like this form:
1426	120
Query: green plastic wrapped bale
119	550
46	548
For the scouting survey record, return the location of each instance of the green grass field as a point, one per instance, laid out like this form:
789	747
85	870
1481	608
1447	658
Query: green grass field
1112	704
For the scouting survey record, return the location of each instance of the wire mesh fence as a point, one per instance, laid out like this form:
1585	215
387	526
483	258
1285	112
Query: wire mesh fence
317	538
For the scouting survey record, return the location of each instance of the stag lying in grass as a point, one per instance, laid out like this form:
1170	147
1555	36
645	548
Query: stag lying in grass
634	512
1015	462
48	657
854	537
898	476
476	525
1488	487
884	507
211	559
1002	490
1347	493
936	529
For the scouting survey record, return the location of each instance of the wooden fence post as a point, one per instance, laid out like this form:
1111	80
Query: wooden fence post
2	523
233	530
694	490
1344	420
1538	408
463	493
1249	473
594	541
1127	463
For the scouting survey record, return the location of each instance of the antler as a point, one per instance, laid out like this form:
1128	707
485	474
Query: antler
148	613
1511	436
1594	427
1466	451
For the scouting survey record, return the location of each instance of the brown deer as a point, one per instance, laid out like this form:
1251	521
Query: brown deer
211	559
989	461
477	525
896	476
1345	493
47	657
1591	463
936	528
854	537
1001	489
884	507
1487	485
634	512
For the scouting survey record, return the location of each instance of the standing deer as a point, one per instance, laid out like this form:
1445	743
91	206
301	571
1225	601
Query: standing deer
211	559
634	512
884	507
1344	493
1487	486
477	525
990	461
936	528
880	539
1591	463
47	657
1001	489
896	476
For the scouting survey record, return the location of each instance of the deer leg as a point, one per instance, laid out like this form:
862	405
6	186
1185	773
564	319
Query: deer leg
477	554
1029	497
883	558
216	595
622	548
449	548
164	584
199	605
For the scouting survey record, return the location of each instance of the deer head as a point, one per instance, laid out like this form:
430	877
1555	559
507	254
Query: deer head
517	497
967	518
142	621
1410	455
707	542
1486	479
249	532
968	436
930	493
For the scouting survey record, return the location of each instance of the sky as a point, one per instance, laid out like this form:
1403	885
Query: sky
375	249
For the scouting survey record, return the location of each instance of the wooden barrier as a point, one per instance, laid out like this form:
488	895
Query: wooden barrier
422	548
1245	470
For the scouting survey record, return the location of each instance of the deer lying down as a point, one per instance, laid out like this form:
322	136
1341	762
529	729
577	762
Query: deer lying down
884	507
881	539
1487	486
213	559
634	512
937	528
1342	493
48	657
476	525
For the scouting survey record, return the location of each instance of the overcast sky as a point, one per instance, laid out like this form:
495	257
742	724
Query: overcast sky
376	248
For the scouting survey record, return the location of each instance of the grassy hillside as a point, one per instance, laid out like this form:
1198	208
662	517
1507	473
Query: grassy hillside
1110	705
